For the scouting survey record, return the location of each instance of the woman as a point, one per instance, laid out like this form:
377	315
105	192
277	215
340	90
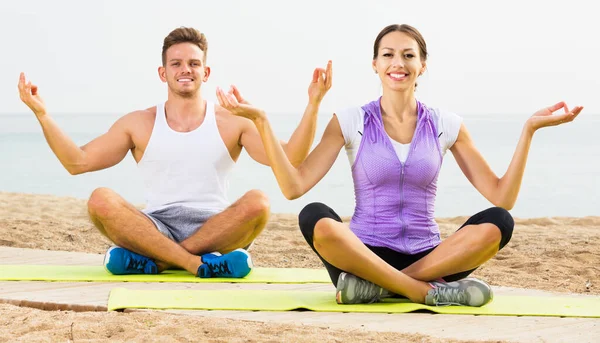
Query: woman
395	145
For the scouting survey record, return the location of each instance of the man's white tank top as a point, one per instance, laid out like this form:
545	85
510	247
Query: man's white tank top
186	168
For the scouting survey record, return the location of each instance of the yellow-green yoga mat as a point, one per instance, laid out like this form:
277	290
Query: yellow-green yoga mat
98	273
261	300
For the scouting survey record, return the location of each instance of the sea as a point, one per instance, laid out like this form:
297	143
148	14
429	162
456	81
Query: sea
561	177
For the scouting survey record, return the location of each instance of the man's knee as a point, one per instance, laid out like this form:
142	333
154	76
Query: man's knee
101	202
256	204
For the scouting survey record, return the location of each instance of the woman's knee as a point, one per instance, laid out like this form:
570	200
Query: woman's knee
503	220
310	215
326	232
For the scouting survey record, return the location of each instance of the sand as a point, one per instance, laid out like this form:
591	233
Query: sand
553	254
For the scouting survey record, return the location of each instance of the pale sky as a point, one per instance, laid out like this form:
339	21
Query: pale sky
500	57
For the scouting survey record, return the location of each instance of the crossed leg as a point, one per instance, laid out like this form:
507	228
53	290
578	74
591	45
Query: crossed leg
122	223
339	246
234	228
477	241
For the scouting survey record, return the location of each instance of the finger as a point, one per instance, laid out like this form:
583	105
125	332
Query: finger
316	73
569	117
227	100
566	108
218	94
232	100
329	74
224	98
221	97
556	106
320	75
21	81
237	94
577	110
562	118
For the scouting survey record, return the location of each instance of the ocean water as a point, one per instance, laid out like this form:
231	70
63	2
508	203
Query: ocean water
561	178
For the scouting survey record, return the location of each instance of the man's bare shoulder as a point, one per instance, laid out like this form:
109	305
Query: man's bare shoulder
141	115
223	115
137	118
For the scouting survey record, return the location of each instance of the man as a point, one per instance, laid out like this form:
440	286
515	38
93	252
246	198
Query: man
185	149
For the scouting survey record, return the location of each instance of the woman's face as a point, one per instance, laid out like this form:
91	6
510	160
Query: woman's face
398	62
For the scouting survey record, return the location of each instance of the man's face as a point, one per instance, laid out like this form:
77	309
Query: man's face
184	70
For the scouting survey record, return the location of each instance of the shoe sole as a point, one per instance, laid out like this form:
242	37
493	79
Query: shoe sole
344	282
107	257
483	288
248	262
248	257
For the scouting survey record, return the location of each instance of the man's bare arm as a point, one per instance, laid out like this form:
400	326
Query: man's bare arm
298	147
103	152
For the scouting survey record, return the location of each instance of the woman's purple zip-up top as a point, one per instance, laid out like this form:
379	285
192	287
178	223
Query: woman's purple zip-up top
395	202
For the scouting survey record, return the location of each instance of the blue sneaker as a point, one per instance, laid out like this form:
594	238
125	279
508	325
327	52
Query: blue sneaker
235	264
120	261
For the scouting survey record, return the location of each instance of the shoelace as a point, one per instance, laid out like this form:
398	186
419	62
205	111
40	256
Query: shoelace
368	290
137	264
450	296
221	268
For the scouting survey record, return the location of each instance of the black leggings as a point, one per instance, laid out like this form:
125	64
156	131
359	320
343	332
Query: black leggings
312	213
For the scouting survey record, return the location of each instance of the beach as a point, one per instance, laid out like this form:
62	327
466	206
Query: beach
557	254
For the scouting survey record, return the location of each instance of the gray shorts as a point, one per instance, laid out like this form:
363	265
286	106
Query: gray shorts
179	222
